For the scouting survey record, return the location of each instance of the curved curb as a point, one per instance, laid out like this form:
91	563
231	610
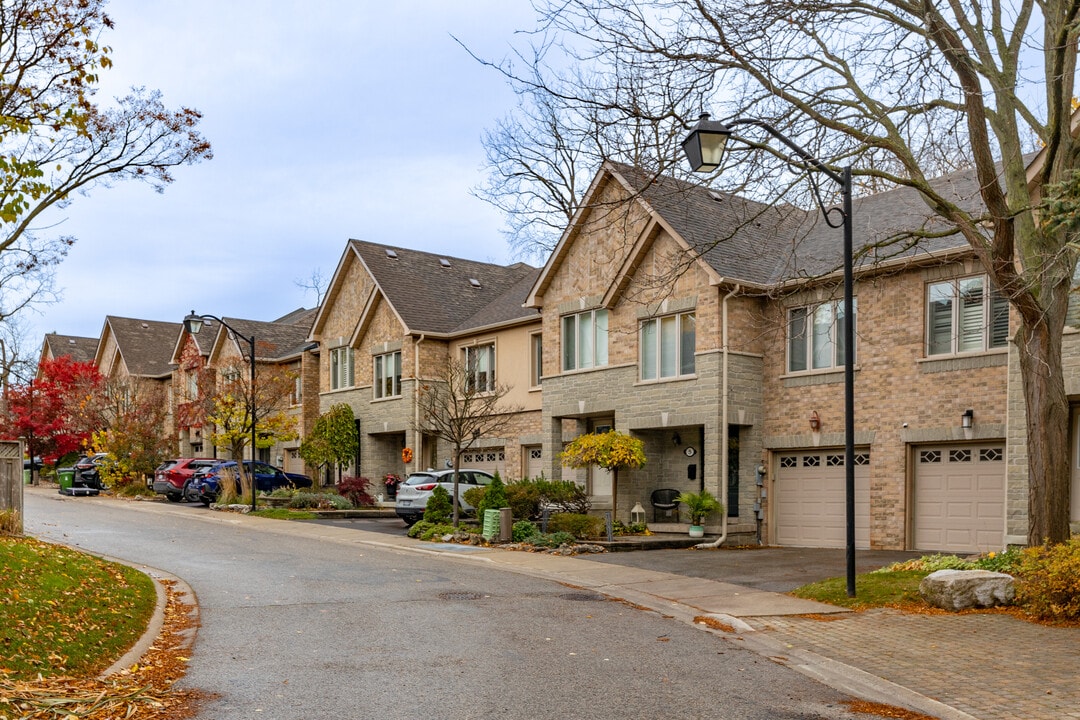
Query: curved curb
157	618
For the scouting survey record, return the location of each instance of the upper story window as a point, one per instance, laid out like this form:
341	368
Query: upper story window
388	375
341	367
965	315
585	340
298	390
816	336
536	359
230	376
193	385
667	347
480	368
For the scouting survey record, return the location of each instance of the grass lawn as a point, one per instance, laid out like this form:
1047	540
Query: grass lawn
284	514
899	588
63	612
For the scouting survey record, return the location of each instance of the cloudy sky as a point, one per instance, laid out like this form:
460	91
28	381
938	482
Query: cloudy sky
329	119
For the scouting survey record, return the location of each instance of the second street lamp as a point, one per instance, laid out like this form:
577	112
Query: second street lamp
193	324
704	148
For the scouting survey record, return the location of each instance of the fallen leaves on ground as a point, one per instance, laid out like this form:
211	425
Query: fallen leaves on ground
886	711
143	691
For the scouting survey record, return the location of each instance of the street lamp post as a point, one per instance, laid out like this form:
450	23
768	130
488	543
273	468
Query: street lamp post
193	324
704	148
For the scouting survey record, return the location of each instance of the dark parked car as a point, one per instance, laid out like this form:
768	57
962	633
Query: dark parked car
86	471
172	477
204	485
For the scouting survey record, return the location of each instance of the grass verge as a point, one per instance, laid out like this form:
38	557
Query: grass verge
63	612
900	588
284	514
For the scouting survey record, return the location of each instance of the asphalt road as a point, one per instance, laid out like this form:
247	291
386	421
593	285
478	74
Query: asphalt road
296	628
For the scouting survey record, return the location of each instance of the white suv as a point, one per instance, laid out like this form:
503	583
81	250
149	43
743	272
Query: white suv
413	494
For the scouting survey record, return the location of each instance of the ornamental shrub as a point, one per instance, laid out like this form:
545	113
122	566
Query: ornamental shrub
552	540
439	508
565	496
493	499
523	530
474	495
523	498
319	501
1049	581
356	489
579	525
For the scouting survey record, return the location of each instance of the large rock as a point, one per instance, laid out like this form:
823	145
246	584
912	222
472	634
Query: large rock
963	589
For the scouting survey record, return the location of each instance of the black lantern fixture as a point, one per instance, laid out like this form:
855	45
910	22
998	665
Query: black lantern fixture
704	148
193	324
967	419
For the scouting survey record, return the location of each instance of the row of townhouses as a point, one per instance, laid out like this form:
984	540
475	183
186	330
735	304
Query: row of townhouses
705	324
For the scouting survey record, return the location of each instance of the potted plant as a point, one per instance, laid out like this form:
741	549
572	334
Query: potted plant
698	505
391	482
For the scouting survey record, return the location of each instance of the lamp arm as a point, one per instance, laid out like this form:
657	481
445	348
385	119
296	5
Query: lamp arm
805	156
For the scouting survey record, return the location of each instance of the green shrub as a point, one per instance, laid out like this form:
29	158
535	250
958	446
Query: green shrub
565	495
424	530
1049	581
1006	562
474	495
576	524
620	528
552	540
523	529
523	497
283	492
319	501
439	507
493	499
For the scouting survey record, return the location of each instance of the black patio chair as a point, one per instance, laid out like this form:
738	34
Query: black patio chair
663	501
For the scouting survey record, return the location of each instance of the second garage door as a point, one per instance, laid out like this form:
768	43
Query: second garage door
959	498
489	459
809	497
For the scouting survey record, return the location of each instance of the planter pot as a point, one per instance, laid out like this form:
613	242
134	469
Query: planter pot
697	531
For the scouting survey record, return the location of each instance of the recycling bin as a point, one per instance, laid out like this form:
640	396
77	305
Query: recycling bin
66	477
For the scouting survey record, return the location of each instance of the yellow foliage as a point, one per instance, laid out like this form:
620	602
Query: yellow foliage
611	450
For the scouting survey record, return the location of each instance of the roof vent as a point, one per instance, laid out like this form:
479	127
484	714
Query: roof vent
71	341
444	262
391	254
145	326
474	282
716	196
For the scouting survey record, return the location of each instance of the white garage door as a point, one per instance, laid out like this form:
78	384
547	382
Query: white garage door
488	459
809	497
959	498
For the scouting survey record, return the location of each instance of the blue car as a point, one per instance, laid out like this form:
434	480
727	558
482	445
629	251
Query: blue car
204	485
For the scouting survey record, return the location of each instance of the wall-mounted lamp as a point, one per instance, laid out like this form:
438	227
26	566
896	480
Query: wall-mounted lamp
676	439
967	419
815	421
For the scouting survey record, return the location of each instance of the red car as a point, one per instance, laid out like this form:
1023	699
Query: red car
172	477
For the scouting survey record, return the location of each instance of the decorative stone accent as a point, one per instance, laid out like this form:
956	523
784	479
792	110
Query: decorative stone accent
963	589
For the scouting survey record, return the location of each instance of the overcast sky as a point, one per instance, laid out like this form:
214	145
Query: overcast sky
329	119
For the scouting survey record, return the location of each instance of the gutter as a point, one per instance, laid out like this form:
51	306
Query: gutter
416	403
723	424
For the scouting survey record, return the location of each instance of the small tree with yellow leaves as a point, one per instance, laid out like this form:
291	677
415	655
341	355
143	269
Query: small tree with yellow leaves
611	450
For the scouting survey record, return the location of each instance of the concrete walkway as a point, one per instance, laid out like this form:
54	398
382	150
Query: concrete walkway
951	666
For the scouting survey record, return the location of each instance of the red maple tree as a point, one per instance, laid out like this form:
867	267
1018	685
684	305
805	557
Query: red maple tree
57	411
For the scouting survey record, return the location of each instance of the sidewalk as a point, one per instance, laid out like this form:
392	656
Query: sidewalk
950	666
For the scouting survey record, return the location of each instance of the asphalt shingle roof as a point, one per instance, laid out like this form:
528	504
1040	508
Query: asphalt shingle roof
274	340
145	345
436	294
744	240
79	349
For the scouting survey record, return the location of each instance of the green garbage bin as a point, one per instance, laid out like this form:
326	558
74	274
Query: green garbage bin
65	476
27	476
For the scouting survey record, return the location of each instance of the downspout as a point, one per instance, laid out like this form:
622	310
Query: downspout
723	433
419	436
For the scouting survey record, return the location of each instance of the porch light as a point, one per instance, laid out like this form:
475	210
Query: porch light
815	421
967	419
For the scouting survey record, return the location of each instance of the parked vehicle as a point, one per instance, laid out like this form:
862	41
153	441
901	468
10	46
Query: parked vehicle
413	494
204	485
173	477
86	471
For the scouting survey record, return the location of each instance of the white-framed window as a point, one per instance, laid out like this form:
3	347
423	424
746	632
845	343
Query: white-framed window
388	375
341	367
965	315
480	368
816	336
298	391
667	346
193	385
585	340
536	359
230	376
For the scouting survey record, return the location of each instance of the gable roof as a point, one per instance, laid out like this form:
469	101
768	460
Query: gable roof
275	341
145	345
79	349
445	295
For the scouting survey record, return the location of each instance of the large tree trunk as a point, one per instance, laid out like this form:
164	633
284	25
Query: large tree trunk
1047	418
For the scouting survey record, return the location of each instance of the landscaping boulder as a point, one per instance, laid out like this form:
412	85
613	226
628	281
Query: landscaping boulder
963	589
